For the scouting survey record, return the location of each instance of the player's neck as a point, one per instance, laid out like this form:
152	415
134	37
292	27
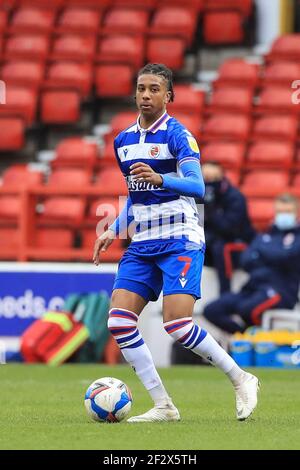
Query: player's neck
147	121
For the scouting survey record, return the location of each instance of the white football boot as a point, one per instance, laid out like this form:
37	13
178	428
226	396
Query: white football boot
165	412
246	396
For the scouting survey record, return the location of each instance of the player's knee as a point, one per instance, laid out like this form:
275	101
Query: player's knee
119	318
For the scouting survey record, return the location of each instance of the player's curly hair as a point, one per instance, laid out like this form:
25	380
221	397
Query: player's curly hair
162	71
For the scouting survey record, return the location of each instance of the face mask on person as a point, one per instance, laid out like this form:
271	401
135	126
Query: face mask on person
285	220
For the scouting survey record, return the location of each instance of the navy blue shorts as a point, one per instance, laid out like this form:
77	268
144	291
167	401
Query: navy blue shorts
174	266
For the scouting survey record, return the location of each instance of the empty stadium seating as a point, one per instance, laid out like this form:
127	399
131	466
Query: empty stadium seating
76	75
263	184
23	73
74	47
52	111
261	212
226	127
231	99
111	180
21	175
32	20
76	152
12	131
27	47
229	155
166	51
275	99
113	80
276	127
79	20
188	100
270	155
69	177
62	212
238	72
223	27
121	49
174	22
20	102
126	21
286	47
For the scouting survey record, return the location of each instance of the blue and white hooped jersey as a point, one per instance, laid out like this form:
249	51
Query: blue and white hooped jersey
160	213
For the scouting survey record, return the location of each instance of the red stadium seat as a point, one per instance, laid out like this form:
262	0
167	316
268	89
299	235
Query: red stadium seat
223	27
21	175
238	72
20	102
270	155
196	5
276	127
265	183
166	51
52	238
9	240
52	111
142	4
23	73
286	47
243	6
69	177
261	212
297	163
79	20
227	127
276	100
3	20
281	73
113	80
55	4
10	209
112	255
188	99
121	49
63	211
74	47
27	47
111	181
126	21
231	99
96	4
122	120
174	22
32	20
11	133
108	158
229	155
191	122
75	75
76	152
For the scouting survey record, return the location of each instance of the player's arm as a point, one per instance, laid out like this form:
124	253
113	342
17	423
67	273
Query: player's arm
119	226
191	185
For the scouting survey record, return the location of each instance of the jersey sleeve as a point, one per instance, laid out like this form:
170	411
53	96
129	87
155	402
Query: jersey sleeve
183	145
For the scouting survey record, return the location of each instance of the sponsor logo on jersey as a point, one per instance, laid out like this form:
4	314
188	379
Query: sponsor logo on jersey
183	281
125	151
154	151
193	144
134	185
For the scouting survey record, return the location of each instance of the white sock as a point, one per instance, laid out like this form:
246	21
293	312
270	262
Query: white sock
123	326
192	337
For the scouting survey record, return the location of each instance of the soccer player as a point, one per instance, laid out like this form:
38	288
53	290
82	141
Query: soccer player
161	163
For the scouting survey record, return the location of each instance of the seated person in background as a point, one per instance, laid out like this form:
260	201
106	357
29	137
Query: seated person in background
273	263
226	219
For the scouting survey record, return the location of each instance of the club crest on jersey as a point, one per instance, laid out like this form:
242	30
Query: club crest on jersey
154	151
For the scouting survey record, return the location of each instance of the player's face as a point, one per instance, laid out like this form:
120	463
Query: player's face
151	95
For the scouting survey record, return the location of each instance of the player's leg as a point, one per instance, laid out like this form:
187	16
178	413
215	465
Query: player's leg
128	300
178	323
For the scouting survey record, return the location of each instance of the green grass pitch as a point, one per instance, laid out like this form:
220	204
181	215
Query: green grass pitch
42	408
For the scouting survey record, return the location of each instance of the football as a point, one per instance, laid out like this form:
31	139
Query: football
108	400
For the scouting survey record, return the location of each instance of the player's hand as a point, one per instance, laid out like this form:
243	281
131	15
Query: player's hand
143	172
101	244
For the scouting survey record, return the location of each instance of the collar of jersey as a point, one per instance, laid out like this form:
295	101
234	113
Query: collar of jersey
155	126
